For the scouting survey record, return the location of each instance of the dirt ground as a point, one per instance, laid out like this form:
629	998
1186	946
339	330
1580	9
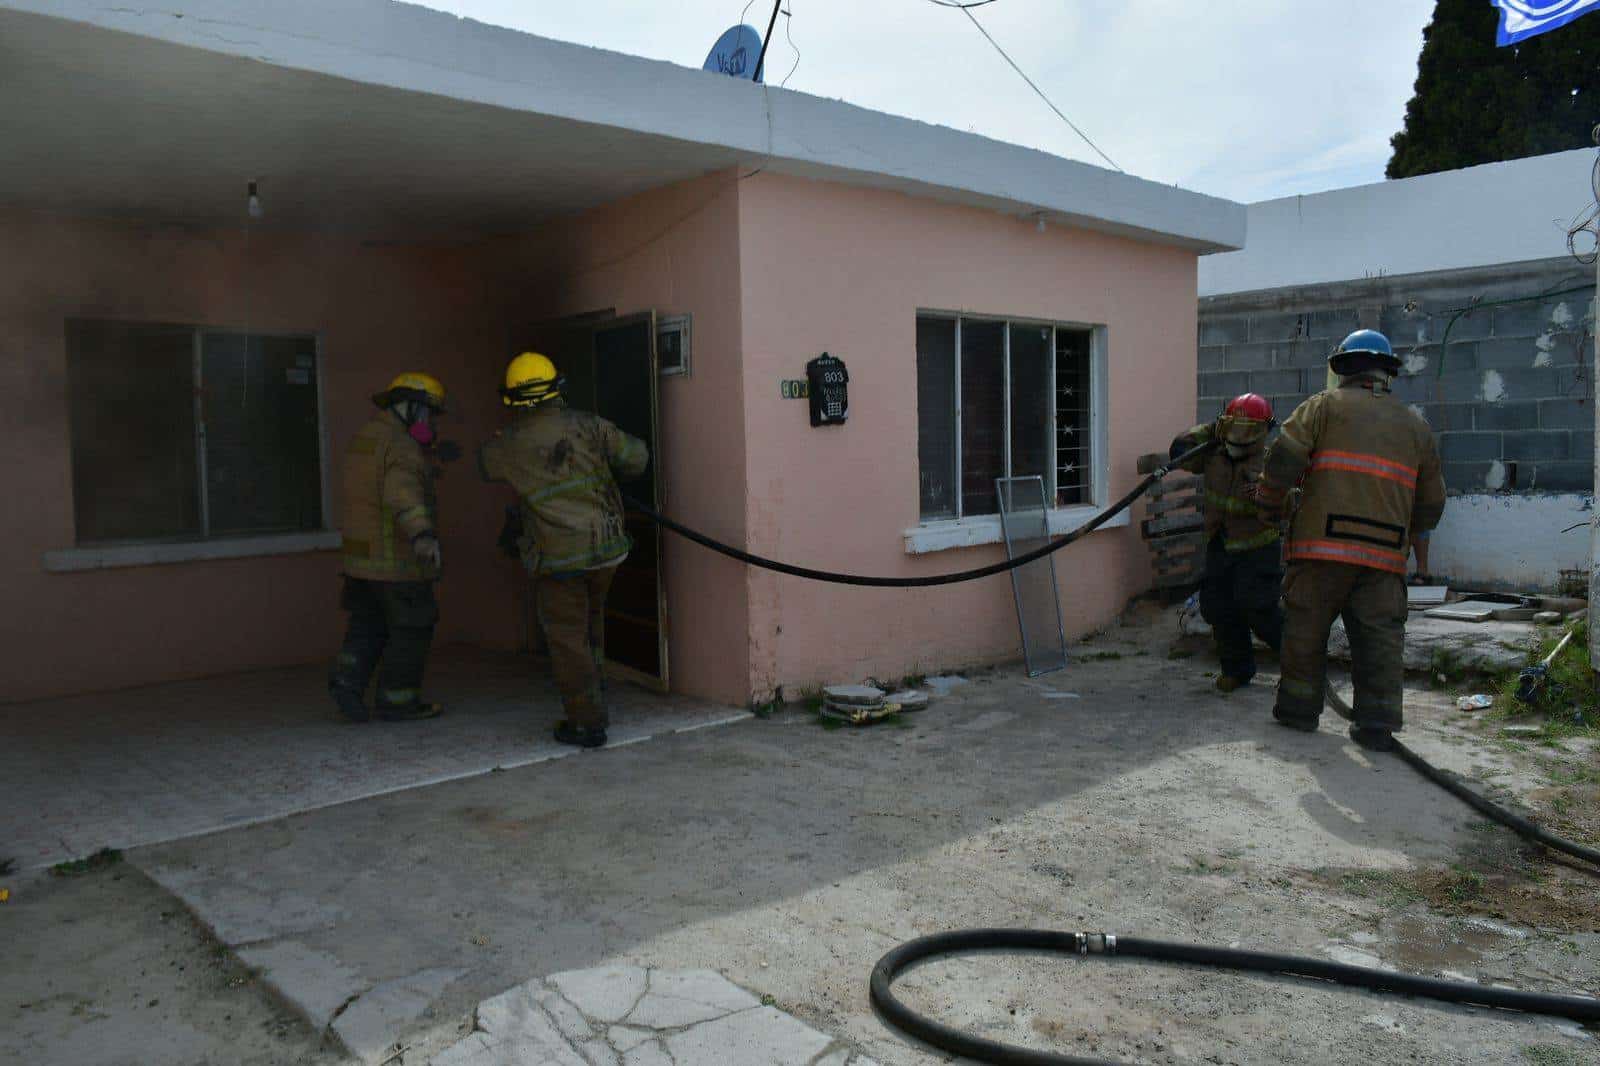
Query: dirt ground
106	969
1123	794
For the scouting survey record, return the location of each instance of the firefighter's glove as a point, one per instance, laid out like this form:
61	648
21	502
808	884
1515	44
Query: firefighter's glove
426	548
447	451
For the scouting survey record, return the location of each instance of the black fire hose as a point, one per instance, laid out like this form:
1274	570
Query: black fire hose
1516	823
969	941
921	582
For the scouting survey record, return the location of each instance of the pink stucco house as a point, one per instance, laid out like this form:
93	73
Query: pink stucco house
178	374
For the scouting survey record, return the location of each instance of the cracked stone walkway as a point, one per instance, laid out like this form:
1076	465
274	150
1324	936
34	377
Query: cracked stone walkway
634	1016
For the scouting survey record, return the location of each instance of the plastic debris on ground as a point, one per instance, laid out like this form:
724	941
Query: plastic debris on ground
1478	702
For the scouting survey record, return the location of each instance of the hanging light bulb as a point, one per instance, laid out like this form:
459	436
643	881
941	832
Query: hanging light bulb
252	204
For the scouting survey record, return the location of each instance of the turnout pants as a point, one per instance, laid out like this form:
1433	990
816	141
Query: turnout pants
389	632
1239	596
1373	605
572	613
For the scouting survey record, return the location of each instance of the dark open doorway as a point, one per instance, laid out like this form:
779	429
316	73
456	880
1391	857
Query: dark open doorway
609	362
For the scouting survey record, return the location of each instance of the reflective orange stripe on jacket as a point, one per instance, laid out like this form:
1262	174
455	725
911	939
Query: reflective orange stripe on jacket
1371	465
1340	551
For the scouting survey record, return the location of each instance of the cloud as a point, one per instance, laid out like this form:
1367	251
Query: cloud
1248	99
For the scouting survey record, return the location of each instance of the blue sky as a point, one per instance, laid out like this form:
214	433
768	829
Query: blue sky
1248	99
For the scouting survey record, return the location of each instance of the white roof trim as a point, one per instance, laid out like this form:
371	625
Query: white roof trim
402	46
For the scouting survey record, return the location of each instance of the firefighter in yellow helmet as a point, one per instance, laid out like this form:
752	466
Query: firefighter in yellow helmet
563	465
391	553
1370	474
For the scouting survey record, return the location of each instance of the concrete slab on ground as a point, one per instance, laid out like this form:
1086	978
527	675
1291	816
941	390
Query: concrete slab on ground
1481	647
637	1016
165	762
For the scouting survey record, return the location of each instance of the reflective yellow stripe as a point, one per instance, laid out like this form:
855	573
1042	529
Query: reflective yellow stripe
1231	504
1301	689
593	557
1260	540
564	488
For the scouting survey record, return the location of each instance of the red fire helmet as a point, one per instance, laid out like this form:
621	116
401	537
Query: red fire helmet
1250	406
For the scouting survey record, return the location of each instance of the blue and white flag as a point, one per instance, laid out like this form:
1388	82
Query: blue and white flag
1521	19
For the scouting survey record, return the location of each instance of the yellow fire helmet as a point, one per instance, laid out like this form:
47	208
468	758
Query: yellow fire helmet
413	385
531	379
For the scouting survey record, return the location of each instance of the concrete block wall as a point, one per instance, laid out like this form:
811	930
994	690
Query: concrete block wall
1513	401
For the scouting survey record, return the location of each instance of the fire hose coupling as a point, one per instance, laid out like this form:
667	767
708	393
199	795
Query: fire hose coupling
1096	943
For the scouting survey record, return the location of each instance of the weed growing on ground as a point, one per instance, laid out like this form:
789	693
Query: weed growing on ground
1551	1055
1100	656
913	680
1568	702
78	867
1179	653
7	865
1463	885
1390	887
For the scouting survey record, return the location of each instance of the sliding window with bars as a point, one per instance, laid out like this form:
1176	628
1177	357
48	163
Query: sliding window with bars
1002	398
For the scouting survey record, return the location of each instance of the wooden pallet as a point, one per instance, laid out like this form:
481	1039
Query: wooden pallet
1174	526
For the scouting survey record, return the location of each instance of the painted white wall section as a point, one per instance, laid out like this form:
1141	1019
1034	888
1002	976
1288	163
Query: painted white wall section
1509	212
604	102
1511	542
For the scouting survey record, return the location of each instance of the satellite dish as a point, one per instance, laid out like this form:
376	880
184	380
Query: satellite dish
735	53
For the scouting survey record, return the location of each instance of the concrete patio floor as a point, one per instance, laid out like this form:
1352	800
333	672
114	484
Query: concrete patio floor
164	762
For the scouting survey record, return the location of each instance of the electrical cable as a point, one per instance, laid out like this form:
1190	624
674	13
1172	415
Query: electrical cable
969	941
865	581
788	32
1445	340
965	9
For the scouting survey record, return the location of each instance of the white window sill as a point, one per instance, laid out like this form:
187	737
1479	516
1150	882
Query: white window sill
70	560
985	529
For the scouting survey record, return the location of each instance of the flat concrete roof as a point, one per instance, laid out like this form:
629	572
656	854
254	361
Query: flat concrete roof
392	118
1509	212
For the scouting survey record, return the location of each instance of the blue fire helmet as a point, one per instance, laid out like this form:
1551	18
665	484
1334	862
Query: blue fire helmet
1365	349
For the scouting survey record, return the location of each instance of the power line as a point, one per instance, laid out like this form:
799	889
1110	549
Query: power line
788	31
964	9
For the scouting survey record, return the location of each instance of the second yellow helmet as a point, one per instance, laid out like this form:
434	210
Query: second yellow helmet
531	379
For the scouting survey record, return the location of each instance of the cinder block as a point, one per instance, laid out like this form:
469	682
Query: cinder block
1465	387
1525	320
1457	356
1469	447
1212	357
1304	354
1229	383
1583	446
1425	389
1443	417
1404	327
1471	326
1249	356
1335	325
1534	444
1499	353
1277	326
1276	382
1566	414
1283	406
1466	477
1230	329
1561	477
1539	383
1505	415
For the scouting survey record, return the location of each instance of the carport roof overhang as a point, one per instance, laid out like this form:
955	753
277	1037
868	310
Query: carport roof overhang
398	121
